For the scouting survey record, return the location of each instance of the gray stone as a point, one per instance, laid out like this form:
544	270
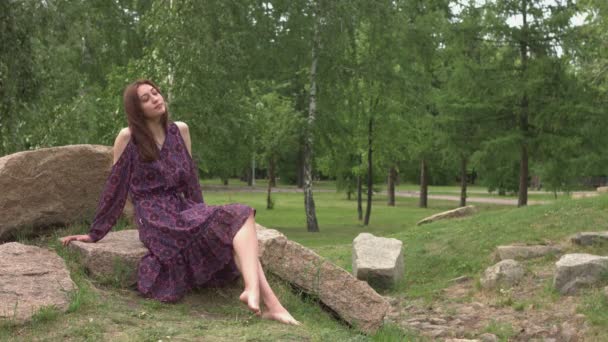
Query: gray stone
589	238
458	212
487	337
115	256
52	186
377	260
578	270
521	252
504	274
351	299
31	278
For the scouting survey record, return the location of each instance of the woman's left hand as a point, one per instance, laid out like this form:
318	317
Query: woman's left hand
67	239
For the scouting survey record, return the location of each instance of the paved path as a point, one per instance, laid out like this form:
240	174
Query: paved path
491	200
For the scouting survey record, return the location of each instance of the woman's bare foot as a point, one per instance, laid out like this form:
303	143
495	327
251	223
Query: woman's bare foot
281	316
252	301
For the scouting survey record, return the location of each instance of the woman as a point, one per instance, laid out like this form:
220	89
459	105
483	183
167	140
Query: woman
190	244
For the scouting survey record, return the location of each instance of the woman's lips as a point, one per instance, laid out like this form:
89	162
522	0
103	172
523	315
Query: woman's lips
159	106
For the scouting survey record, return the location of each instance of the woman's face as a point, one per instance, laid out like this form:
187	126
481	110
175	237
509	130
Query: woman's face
152	102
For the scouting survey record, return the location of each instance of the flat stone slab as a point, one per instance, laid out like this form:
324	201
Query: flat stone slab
31	278
377	260
458	212
602	189
116	255
578	270
589	238
351	299
504	274
523	252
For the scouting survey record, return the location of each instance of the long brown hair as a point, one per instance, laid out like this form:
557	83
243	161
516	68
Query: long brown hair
140	133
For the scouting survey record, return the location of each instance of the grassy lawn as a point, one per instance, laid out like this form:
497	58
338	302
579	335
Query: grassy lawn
453	190
434	254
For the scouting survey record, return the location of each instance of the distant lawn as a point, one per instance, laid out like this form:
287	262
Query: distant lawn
453	190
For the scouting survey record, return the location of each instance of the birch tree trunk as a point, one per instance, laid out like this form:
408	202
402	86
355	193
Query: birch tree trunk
309	203
370	178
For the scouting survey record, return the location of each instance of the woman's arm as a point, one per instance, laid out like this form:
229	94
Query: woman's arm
113	196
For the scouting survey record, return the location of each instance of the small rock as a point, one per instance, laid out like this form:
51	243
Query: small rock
568	332
438	321
31	278
516	252
488	338
578	270
377	260
589	238
504	274
458	212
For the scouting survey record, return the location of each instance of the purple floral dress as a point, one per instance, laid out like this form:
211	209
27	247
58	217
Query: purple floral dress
189	242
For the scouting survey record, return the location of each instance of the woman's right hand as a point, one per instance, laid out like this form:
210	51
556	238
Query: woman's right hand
67	239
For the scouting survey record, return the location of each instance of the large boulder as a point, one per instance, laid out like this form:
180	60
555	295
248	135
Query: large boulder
377	260
458	212
602	189
113	258
589	238
31	278
51	186
523	252
351	299
503	275
578	270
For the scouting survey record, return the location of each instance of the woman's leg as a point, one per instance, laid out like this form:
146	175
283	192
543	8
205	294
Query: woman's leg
275	310
244	252
245	244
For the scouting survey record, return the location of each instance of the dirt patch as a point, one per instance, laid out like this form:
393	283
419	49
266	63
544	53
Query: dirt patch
529	311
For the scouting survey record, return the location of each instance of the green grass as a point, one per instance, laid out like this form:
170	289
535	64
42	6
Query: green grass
434	254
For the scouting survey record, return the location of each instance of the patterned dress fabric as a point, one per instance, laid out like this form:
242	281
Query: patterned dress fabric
189	242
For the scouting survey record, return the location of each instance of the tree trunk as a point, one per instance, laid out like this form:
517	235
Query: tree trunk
523	119
463	180
392	178
271	176
359	200
300	169
370	178
225	181
424	184
522	199
309	203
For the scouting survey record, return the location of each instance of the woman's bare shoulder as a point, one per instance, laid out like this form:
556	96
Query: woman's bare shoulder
185	132
122	139
183	127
